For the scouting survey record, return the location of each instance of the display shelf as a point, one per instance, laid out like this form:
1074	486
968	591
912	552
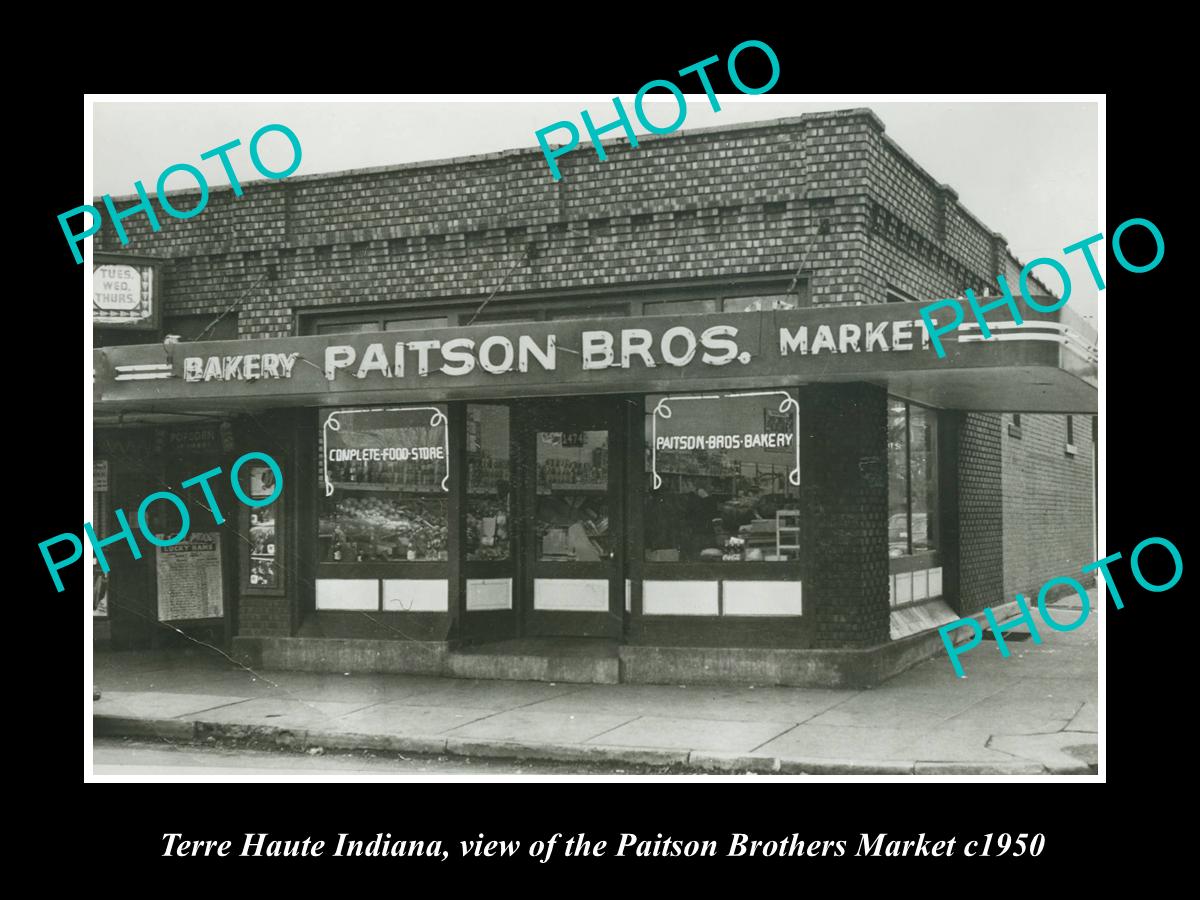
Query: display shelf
262	556
583	487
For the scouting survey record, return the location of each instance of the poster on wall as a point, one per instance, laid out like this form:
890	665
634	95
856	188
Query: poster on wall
189	578
99	593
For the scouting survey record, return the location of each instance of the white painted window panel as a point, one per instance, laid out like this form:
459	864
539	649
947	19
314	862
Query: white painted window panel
489	593
571	594
920	584
680	598
347	593
416	595
935	582
761	598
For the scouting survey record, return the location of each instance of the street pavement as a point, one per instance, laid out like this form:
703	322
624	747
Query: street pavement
1032	713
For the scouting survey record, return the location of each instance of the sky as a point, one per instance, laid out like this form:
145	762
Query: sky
1028	170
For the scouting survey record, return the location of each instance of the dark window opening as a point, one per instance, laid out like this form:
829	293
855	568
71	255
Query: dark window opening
193	328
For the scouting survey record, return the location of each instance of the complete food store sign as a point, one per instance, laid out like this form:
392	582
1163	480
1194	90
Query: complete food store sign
514	358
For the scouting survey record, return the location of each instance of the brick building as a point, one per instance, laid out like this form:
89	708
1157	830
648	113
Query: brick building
672	417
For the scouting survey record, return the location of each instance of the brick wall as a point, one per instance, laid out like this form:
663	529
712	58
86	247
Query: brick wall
1048	502
264	616
713	203
845	435
980	511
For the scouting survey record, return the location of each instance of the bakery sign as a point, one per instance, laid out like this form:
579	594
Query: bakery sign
123	294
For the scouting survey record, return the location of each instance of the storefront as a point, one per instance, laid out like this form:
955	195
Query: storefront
764	495
671	418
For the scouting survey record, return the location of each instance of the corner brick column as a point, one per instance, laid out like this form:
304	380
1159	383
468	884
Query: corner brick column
980	513
844	477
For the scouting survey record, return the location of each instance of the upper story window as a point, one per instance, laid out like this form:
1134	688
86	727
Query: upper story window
589	311
347	324
755	296
679	307
214	327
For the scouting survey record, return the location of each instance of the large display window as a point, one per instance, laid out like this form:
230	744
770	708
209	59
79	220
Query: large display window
722	478
264	527
572	512
913	515
385	487
912	479
489	485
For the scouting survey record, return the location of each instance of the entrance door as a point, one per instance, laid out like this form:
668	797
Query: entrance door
573	538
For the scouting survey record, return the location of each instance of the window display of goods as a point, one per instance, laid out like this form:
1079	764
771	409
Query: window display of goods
572	528
379	528
487	529
564	471
416	473
483	471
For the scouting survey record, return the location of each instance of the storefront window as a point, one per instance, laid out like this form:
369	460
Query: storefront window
912	479
488	483
385	486
897	478
722	477
264	538
922	436
572	496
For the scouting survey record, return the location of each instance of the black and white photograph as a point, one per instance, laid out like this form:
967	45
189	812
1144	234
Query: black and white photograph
681	436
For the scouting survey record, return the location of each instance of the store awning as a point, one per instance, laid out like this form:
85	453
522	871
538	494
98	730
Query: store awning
1048	364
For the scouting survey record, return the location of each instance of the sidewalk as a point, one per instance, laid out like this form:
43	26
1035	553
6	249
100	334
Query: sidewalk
1033	713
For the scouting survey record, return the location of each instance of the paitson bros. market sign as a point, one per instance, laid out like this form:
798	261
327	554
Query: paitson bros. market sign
498	354
583	355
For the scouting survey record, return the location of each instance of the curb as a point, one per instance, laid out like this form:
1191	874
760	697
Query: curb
131	726
699	760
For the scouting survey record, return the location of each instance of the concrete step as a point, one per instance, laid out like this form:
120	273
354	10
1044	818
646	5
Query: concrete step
582	662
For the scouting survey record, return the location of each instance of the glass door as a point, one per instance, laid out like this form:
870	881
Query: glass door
573	538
